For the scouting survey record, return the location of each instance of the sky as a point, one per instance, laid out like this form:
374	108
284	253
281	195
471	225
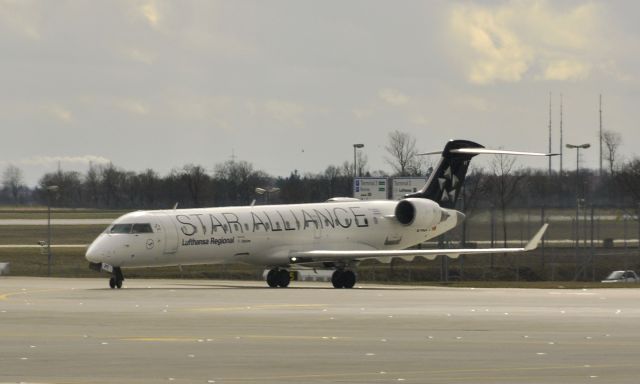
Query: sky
292	85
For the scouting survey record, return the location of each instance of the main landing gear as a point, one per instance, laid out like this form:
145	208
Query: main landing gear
343	278
278	278
116	278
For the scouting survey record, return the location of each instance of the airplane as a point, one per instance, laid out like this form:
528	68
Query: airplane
337	234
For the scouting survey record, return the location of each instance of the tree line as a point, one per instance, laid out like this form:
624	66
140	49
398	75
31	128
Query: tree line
503	184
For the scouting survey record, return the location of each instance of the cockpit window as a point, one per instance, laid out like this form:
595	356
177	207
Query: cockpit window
141	228
121	228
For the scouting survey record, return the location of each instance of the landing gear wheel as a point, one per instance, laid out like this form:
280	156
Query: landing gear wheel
283	278
116	278
343	279
337	279
272	278
348	279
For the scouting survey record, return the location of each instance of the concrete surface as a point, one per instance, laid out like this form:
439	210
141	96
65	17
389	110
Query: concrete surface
177	331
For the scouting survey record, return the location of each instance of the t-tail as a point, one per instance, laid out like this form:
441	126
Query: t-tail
447	178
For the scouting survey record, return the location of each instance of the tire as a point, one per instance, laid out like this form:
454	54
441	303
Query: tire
112	282
283	278
348	279
272	278
337	279
118	284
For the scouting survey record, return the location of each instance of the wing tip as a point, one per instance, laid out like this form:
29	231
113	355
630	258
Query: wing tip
535	240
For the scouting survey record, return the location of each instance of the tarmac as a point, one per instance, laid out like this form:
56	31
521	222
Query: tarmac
55	330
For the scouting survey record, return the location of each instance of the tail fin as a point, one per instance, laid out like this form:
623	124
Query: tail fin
447	178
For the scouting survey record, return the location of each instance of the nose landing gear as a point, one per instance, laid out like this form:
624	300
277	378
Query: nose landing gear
116	279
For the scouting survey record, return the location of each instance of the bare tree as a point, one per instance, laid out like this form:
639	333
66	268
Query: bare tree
505	186
362	163
240	180
473	191
612	141
629	178
195	177
404	156
13	181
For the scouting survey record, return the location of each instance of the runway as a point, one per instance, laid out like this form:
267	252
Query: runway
186	331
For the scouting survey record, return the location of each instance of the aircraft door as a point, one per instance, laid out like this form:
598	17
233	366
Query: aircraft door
170	233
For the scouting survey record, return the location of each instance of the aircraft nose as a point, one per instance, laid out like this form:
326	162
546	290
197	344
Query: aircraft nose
95	252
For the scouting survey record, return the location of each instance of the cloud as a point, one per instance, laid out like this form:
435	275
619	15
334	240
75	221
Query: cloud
150	13
60	113
54	160
518	40
285	111
362	113
21	17
132	106
566	70
420	120
139	55
393	96
476	103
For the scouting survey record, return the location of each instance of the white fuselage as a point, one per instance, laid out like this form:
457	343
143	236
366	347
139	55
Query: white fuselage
261	235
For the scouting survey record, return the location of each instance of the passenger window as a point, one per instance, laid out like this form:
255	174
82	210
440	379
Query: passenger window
141	228
121	228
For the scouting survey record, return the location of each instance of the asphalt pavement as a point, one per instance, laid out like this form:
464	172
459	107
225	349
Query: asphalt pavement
56	330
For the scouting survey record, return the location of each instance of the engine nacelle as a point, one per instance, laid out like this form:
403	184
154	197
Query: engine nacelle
419	212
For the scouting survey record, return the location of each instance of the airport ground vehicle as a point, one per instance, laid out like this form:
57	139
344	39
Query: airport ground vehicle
622	277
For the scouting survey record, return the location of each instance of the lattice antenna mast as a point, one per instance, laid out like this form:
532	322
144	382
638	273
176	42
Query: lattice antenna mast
550	133
561	154
600	134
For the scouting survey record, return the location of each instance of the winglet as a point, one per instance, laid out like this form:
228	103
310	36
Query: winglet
535	240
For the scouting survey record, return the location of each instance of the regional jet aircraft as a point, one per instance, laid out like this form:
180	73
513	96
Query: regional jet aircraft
337	234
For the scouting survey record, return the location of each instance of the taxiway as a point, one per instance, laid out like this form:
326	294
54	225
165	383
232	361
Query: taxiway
186	331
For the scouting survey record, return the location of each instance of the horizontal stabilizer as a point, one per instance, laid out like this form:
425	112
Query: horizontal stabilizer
485	151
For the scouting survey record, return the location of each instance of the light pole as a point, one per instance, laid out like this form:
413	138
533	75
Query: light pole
578	148
50	190
355	166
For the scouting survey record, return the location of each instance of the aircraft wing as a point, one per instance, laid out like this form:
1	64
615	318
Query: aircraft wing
301	257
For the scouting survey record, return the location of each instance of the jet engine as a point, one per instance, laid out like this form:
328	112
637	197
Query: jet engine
422	213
